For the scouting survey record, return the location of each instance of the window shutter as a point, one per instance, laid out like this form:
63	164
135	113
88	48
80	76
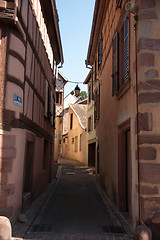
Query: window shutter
95	108
126	50
115	64
98	101
100	51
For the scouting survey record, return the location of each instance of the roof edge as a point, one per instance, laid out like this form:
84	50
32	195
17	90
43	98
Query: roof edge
77	117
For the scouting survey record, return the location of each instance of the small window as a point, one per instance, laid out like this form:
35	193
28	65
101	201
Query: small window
63	140
71	121
72	140
80	143
89	124
58	97
76	144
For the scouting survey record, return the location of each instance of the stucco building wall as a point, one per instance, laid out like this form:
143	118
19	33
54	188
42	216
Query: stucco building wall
116	126
69	140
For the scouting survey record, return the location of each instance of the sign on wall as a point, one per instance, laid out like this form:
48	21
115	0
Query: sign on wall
17	100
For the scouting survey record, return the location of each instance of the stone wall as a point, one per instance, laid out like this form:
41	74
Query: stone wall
149	105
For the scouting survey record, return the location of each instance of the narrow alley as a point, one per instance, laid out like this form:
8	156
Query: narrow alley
75	207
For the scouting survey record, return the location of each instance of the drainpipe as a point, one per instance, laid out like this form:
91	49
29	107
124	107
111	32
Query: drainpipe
137	121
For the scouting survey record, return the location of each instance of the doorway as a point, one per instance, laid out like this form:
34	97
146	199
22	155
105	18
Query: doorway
124	169
91	154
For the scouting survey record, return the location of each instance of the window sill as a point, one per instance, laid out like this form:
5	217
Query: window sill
123	90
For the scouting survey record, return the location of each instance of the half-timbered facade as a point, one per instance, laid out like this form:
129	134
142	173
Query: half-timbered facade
30	50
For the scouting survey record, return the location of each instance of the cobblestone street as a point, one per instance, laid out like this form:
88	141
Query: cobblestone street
73	207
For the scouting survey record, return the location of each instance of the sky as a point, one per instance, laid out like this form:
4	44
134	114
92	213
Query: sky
75	22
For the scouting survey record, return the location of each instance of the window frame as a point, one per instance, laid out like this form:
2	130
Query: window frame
59	94
90	124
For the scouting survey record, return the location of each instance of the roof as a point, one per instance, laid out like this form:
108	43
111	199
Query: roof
88	77
62	76
70	99
81	112
51	20
99	10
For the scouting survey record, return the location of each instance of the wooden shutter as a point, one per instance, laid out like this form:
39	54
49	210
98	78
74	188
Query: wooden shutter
98	101
115	64
126	50
100	51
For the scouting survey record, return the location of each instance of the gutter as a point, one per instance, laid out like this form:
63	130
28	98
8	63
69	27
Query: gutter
55	15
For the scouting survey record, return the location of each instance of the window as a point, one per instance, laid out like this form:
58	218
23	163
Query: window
58	97
71	121
120	57
72	140
66	140
89	124
100	49
76	144
80	143
98	101
63	140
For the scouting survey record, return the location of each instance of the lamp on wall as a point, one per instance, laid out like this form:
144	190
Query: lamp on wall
131	7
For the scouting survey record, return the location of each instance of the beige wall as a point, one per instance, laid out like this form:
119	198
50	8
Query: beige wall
57	138
69	146
116	110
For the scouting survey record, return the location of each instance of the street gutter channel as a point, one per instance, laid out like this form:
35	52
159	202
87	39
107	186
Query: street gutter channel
45	202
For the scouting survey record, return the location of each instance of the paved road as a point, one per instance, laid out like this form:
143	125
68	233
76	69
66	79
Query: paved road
75	210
